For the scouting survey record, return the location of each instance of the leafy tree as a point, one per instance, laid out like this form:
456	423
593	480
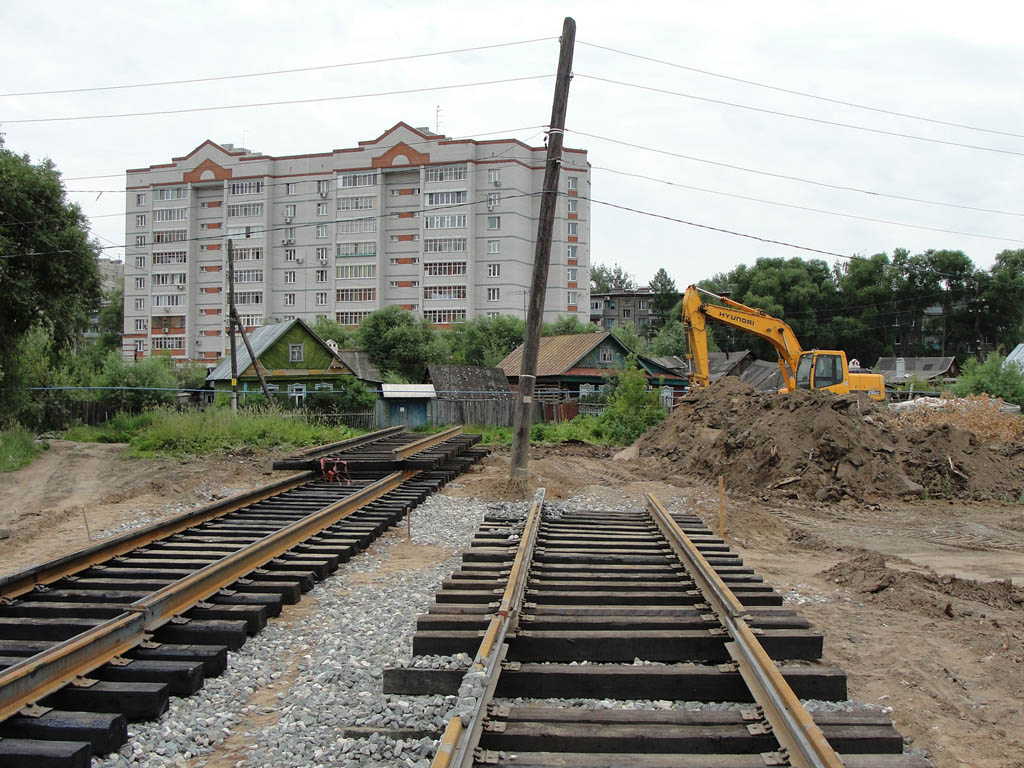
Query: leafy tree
48	271
671	340
565	325
664	296
350	395
628	335
632	409
326	328
147	383
604	279
992	378
112	321
397	342
485	340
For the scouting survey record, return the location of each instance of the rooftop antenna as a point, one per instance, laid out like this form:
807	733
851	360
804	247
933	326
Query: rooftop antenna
437	120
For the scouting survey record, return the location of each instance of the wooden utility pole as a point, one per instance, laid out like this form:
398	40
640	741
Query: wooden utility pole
231	325
541	260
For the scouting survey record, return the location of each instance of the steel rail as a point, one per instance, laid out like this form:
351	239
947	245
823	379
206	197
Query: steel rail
423	443
459	740
39	675
352	442
20	582
793	726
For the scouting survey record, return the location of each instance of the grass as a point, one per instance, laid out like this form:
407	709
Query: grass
584	429
168	433
18	448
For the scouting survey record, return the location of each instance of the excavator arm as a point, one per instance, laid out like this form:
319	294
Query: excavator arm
756	321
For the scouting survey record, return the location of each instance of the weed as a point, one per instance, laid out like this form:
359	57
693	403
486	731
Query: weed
17	449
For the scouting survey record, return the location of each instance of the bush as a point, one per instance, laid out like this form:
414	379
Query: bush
991	378
17	449
631	410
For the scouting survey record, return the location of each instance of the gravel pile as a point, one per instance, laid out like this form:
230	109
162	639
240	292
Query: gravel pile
290	693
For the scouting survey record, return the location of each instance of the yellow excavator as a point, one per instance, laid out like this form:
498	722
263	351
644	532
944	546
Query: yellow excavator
825	369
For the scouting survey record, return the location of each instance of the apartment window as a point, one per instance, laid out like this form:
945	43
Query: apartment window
357	249
494	270
573	182
349	180
641	304
350	318
494	246
169	278
141	324
494	176
573	205
248	297
446	198
173	257
294	353
606	355
573	229
573	251
171	193
321	209
140	303
140	345
448	292
445	173
140	240
250	321
355	271
289	299
573	297
572	273
595	306
451	221
321	298
436	268
245	209
444	316
245	187
247	254
289	277
140	262
140	220
350	226
626	314
169	300
290	254
493	199
494	222
289	210
140	282
291	188
356	203
357	294
168	342
493	294
247	232
140	198
288	233
321	231
321	275
445	245
322	253
248	276
493	314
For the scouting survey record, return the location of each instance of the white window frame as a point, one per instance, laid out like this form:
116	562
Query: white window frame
140	220
296	353
140	283
321	276
140	198
494	294
494	246
140	262
140	302
321	209
291	254
572	229
291	188
493	199
289	299
321	231
572	205
494	270
572	182
494	222
572	274
289	277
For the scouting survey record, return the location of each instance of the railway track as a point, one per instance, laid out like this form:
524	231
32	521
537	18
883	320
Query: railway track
105	635
562	606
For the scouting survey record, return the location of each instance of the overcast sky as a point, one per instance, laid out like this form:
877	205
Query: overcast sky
953	62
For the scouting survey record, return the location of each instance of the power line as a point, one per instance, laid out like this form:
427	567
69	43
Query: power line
278	71
788	177
792	116
804	93
320	99
808	208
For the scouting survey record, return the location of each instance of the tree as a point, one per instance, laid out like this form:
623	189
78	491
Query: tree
604	279
664	296
993	378
326	328
397	341
632	409
485	340
48	272
628	335
112	321
565	325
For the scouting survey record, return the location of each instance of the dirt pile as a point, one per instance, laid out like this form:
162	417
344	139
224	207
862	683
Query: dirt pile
988	418
812	445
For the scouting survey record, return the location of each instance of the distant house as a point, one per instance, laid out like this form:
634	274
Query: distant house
468	382
566	362
719	363
900	369
293	358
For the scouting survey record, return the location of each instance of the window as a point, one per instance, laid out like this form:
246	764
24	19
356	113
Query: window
351	318
321	275
248	254
573	229
140	303
445	245
573	298
828	370
446	198
289	299
322	253
451	221
641	304
444	268
290	254
289	277
357	180
355	271
573	251
245	188
140	220
444	292
247	232
248	297
294	353
140	240
140	282
410	191
493	314
169	300
445	173
169	278
626	314
494	270
494	246
140	262
171	193
291	188
356	203
321	298
357	294
248	276
321	231
494	222
606	355
168	342
170	214
288	233
245	209
250	321
444	316
349	226
357	249
573	182
141	324
321	209
494	176
595	306
493	294
571	274
140	198
493	199
573	205
289	210
140	345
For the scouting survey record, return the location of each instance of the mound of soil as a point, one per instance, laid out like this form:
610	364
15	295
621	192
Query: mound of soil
814	445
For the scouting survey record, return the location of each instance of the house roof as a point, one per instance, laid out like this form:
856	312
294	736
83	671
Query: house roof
725	363
557	353
673	363
408	391
923	367
358	360
472	382
1016	357
763	376
261	340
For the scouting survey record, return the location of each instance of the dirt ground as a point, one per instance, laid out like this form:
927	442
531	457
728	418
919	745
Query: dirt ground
922	603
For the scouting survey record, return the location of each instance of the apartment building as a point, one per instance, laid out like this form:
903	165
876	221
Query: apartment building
623	307
441	227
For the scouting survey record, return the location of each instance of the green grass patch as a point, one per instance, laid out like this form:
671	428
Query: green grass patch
168	433
584	429
18	449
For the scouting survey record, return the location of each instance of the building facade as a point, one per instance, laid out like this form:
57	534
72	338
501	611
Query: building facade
111	274
622	307
443	228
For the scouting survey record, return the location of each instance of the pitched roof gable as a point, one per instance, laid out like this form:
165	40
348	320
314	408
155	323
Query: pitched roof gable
262	339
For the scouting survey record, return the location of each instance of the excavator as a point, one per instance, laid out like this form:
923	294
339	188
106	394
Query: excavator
823	369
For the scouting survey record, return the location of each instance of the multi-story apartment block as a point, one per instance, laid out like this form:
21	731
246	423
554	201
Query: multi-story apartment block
623	307
443	228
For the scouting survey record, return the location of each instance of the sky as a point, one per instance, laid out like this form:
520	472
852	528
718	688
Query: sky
949	62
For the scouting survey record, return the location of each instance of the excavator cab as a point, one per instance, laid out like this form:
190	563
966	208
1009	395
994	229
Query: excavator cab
822	370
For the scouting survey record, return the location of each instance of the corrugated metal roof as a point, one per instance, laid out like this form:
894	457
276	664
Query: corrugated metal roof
358	360
763	376
924	367
1016	357
408	391
468	381
557	353
260	339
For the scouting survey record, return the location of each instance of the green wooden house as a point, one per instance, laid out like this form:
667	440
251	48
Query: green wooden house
295	362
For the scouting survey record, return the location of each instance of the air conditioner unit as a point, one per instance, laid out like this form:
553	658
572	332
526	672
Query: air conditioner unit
497	182
166	330
287	219
490	206
324	193
180	286
199	342
298	259
289	241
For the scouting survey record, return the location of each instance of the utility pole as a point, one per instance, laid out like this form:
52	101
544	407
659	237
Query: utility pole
231	325
519	474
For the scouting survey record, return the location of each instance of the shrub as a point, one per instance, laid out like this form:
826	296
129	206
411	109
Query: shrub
992	378
631	410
